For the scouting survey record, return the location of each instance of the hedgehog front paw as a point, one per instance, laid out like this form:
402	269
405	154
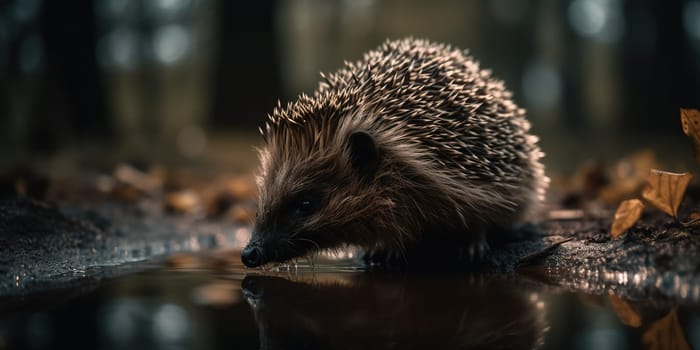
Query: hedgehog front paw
476	251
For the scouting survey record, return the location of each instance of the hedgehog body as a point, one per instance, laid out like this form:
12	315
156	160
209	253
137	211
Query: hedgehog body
415	143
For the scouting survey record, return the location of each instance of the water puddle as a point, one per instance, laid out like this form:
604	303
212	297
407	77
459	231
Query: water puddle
211	302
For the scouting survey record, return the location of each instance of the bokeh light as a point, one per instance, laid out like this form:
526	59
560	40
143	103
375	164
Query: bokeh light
598	19
144	324
542	85
119	49
170	324
113	9
171	43
25	10
691	24
691	19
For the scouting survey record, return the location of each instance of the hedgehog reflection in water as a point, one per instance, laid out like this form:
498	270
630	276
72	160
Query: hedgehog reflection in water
395	313
413	153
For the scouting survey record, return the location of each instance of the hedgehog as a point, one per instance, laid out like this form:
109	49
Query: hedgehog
412	153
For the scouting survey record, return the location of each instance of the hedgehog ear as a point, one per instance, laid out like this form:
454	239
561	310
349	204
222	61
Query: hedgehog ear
364	155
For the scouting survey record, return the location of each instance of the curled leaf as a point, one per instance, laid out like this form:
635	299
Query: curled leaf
625	312
690	121
665	190
626	215
666	333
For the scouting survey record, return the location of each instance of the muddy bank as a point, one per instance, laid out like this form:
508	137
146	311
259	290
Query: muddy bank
657	258
43	246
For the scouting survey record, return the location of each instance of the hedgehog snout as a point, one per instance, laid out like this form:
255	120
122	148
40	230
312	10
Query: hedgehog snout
253	255
264	248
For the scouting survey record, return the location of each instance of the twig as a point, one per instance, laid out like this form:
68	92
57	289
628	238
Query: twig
532	258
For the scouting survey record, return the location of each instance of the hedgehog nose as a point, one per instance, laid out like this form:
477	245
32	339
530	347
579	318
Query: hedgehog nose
252	256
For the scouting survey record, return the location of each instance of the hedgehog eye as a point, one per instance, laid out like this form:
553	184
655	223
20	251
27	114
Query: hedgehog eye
304	207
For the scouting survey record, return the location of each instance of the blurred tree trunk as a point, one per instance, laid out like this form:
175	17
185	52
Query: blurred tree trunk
659	68
72	103
247	81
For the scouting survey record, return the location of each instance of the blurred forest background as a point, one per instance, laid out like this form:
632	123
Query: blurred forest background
185	80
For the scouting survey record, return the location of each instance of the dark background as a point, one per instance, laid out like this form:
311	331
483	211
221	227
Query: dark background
166	79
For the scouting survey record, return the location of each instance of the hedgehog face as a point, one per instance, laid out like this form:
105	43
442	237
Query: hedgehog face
313	200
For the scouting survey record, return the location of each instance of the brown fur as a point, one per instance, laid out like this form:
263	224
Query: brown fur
455	153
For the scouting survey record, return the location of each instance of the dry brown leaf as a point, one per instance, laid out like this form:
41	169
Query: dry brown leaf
241	215
626	215
625	312
665	334
127	193
242	187
566	214
227	193
665	190
144	182
182	202
690	120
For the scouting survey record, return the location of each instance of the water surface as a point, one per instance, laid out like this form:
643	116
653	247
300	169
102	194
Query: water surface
213	302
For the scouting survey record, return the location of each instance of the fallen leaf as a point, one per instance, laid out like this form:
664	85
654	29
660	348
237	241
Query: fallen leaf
241	215
690	121
665	190
566	214
182	202
127	193
228	193
626	215
665	334
242	188
625	312
142	181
